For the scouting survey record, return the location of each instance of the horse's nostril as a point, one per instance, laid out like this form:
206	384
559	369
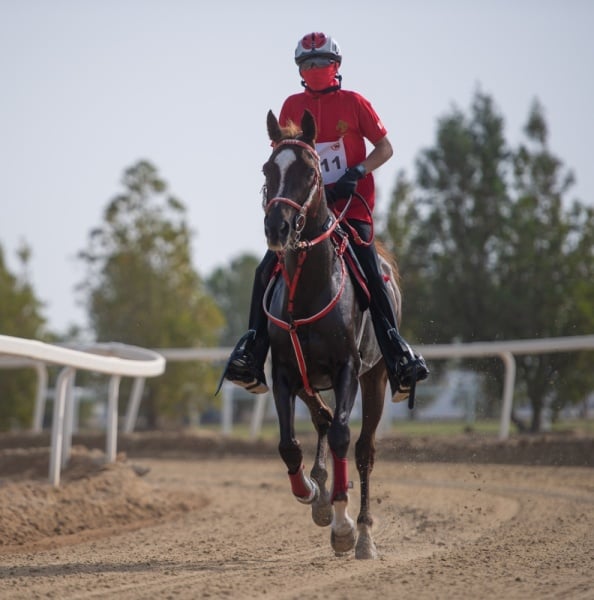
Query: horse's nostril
277	230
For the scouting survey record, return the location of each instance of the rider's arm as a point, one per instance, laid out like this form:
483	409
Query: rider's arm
381	152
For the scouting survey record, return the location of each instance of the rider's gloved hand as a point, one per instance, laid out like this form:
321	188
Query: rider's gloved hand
345	187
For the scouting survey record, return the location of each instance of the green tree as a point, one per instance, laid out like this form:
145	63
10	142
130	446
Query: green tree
464	203
142	289
488	249
407	238
546	269
231	287
20	316
445	231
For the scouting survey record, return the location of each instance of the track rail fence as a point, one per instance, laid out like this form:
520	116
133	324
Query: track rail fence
119	360
113	359
505	350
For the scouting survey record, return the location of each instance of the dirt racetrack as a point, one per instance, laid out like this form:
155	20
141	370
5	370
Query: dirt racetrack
206	518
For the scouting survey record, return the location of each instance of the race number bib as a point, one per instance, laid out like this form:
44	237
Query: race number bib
333	162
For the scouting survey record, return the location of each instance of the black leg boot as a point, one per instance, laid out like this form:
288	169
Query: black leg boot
404	367
245	366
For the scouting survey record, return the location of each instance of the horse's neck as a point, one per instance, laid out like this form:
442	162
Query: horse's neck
311	270
312	278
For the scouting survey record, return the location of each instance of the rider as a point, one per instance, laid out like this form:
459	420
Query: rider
344	119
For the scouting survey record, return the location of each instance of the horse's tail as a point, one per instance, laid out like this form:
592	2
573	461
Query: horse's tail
389	262
383	251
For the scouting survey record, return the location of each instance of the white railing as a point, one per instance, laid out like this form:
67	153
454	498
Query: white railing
17	362
504	350
507	352
113	359
140	363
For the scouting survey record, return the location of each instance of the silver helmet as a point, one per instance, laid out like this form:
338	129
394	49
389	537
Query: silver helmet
317	45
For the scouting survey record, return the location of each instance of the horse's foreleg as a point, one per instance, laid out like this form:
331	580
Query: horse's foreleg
343	527
306	490
364	453
321	509
303	488
373	400
321	416
342	535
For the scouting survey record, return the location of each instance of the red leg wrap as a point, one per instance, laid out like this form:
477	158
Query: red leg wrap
298	485
341	478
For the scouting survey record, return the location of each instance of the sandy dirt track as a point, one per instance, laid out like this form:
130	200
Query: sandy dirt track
205	527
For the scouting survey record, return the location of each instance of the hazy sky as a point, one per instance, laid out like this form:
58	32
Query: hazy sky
87	88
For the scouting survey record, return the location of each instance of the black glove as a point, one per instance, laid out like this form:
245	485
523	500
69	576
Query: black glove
345	187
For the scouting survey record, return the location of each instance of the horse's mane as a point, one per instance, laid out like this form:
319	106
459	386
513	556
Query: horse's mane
290	130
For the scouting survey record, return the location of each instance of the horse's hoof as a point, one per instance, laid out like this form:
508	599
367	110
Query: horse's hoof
322	512
365	548
341	544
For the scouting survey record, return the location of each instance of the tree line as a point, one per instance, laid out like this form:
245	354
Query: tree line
489	244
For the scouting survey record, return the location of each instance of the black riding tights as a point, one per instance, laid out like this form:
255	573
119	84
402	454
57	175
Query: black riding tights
381	307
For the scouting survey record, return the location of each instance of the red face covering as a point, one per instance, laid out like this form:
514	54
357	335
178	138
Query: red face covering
320	78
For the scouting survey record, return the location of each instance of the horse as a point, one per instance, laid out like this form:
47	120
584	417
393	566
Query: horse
321	338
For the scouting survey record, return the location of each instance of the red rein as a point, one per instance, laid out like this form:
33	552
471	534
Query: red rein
291	282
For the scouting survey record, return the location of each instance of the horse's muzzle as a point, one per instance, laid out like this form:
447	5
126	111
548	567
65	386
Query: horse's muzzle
277	230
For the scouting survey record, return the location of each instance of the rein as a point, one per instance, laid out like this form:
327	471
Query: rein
302	247
356	237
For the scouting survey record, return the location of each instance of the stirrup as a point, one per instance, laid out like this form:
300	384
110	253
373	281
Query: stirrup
241	368
404	391
409	369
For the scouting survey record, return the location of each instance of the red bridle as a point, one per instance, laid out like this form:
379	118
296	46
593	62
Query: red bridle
302	246
301	209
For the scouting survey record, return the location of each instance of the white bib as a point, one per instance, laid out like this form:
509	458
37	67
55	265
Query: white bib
333	162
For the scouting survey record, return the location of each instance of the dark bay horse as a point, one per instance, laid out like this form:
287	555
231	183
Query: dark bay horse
320	339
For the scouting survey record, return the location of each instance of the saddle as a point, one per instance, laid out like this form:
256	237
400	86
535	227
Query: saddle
356	273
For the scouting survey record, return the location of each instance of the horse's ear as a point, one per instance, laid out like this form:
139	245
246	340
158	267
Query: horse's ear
274	131
308	127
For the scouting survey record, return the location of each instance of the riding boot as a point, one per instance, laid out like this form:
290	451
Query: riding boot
410	368
404	367
245	366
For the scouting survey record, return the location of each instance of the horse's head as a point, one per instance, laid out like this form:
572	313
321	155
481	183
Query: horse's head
293	187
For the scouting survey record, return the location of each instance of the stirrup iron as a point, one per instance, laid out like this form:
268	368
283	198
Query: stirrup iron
250	336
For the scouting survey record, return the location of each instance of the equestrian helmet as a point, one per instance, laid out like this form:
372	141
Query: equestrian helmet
317	45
